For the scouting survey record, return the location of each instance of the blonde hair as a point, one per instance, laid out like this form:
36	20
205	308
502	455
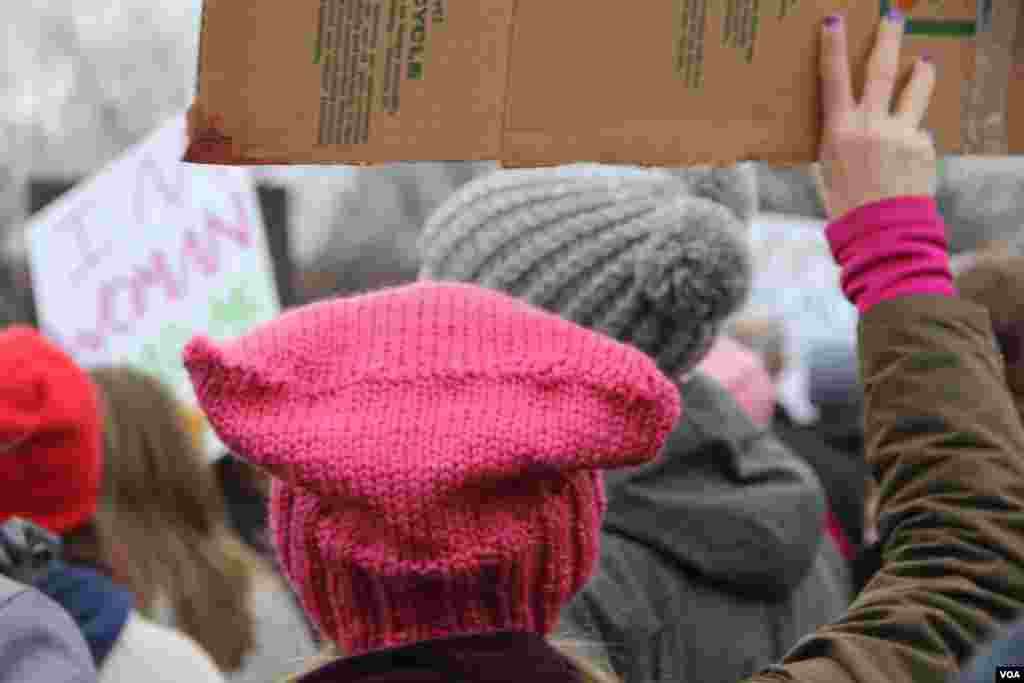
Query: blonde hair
162	523
572	649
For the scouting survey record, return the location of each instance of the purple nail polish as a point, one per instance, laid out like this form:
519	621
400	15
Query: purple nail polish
832	22
927	58
895	16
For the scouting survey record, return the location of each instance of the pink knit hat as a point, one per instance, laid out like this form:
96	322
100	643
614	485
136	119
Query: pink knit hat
741	372
436	450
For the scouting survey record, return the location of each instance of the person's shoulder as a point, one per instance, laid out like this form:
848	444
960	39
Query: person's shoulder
152	652
38	639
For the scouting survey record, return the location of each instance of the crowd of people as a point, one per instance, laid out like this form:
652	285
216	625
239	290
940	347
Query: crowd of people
559	455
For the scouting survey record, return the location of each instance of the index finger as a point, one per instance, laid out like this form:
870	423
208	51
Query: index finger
836	85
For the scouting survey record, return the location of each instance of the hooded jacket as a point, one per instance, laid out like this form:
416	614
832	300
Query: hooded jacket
843	475
742	374
713	563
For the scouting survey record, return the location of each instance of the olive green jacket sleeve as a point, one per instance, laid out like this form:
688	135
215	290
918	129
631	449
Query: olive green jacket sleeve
945	441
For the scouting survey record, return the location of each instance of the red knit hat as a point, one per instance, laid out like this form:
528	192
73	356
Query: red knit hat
436	449
50	434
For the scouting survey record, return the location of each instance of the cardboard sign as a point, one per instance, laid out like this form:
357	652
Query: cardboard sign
128	266
536	82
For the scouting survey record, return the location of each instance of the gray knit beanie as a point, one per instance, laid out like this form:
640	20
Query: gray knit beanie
655	259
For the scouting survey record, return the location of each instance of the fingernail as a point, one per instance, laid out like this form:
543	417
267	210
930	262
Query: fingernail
832	22
927	59
895	16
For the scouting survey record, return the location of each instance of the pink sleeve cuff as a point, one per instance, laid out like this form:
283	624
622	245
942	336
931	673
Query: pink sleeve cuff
892	248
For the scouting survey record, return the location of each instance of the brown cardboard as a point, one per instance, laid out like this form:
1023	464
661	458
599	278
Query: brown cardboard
265	74
542	82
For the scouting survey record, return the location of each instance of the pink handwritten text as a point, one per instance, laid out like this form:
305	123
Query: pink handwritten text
161	275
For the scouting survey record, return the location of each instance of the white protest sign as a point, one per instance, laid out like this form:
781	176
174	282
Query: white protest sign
129	265
797	280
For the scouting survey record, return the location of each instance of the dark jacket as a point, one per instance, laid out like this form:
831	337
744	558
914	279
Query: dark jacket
38	640
843	475
506	657
713	560
945	441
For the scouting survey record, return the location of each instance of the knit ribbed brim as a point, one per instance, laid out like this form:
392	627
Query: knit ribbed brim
633	253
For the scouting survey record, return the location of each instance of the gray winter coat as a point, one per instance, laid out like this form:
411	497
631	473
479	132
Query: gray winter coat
713	561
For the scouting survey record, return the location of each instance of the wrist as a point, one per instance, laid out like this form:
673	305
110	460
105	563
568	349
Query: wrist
882	215
892	248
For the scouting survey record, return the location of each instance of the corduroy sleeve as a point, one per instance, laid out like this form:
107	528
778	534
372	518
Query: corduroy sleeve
947	447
